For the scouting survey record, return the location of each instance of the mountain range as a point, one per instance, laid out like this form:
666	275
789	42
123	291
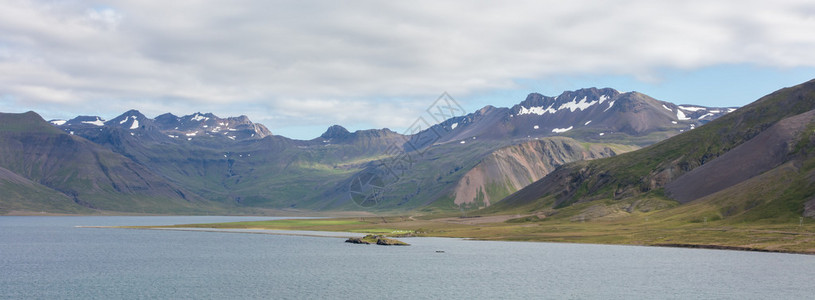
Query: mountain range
754	164
203	163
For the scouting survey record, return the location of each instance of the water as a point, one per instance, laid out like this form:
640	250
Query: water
47	257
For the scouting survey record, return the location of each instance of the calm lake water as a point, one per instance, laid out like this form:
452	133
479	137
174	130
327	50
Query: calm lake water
48	257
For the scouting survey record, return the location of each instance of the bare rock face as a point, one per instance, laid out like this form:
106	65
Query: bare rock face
509	169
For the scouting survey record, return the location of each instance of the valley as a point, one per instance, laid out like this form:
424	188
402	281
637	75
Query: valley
202	163
628	169
742	182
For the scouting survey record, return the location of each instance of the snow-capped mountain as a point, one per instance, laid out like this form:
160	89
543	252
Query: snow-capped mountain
130	120
80	122
189	127
593	114
210	125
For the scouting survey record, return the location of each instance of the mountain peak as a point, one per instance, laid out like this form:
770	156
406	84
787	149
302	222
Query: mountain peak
198	116
131	119
335	131
25	122
486	109
591	93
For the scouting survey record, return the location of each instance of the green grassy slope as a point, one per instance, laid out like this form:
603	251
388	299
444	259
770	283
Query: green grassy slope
92	177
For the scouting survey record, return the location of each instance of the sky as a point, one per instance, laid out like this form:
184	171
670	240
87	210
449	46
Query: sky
300	66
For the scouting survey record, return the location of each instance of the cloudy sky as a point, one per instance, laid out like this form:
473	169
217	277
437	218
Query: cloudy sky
300	66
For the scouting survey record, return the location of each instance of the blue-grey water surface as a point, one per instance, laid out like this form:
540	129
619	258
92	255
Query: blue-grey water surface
48	257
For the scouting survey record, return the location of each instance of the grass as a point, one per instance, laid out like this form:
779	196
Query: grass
636	230
648	220
280	224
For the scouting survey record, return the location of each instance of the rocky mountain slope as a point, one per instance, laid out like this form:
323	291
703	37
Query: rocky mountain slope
755	163
511	168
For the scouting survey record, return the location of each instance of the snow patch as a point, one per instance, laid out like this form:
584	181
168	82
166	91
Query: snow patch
135	124
691	108
587	123
665	107
123	121
198	117
602	133
575	105
231	137
681	116
603	98
462	142
562	130
705	115
538	110
172	136
730	110
715	111
610	104
71	133
191	133
98	122
454	126
673	122
58	122
132	134
535	127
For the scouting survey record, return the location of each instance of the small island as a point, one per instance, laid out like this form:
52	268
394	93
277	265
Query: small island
376	239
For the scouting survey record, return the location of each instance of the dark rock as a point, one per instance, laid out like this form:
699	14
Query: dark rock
356	240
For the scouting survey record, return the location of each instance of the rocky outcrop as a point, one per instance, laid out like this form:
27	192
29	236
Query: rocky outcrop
376	239
511	168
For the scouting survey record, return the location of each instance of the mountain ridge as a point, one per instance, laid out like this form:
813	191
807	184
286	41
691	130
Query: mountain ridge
61	165
240	164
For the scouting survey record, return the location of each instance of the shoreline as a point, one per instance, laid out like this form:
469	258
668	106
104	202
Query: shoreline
307	233
345	235
661	245
732	248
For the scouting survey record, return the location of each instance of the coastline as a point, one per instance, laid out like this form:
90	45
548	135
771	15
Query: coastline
307	233
347	235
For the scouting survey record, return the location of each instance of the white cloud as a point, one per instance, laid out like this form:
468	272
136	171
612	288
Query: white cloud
339	56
